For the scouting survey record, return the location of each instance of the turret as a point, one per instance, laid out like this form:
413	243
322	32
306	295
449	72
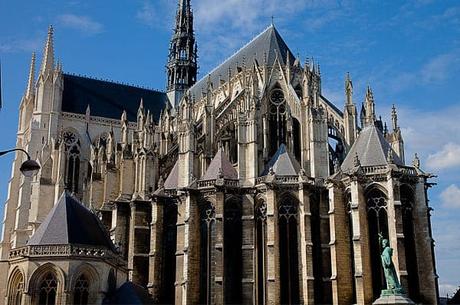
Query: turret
350	113
182	60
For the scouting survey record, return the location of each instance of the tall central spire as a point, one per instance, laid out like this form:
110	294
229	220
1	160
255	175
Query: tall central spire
182	60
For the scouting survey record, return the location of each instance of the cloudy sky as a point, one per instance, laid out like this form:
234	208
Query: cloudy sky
408	52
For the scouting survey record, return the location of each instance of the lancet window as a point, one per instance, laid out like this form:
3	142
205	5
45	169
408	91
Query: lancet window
232	252
81	291
277	119
378	224
16	289
72	168
208	220
261	242
48	290
289	258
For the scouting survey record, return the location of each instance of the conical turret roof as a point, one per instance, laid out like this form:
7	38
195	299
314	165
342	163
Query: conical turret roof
372	149
69	222
283	163
220	167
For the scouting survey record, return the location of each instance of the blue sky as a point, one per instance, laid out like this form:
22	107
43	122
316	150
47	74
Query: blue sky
407	51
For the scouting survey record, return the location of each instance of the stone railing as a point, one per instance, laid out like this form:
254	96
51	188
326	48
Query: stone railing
282	179
372	170
218	182
62	250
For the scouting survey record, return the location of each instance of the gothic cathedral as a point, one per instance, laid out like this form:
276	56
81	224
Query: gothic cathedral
247	186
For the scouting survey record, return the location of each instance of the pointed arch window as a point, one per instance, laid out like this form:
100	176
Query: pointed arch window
72	159
48	290
208	220
81	291
261	243
277	119
289	255
16	289
377	218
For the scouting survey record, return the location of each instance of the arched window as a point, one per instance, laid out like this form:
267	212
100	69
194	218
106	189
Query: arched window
232	252
407	201
81	291
48	290
16	289
378	224
208	220
261	242
72	169
277	120
169	253
289	257
296	139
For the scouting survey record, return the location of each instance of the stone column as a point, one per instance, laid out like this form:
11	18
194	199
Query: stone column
342	275
131	250
273	265
307	293
363	270
156	242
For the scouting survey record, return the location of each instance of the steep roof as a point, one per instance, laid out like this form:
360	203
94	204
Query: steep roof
130	293
283	163
172	181
267	45
372	149
69	222
108	99
220	167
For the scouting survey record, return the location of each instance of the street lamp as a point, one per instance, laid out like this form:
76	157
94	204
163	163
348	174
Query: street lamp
29	168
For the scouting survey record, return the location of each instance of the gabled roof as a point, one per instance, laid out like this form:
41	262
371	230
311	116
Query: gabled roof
69	222
108	99
371	148
266	46
220	167
283	163
172	181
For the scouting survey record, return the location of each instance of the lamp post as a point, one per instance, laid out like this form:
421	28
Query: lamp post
29	168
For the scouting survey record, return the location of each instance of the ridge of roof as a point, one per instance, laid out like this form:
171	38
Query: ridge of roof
283	163
114	82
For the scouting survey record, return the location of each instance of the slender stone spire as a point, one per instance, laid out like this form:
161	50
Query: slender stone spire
369	107
182	60
48	53
394	118
349	89
31	80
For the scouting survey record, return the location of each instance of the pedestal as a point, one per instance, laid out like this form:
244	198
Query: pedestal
392	297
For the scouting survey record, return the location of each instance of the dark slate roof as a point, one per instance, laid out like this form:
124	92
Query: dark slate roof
69	222
372	149
283	163
130	294
172	181
108	99
267	44
220	167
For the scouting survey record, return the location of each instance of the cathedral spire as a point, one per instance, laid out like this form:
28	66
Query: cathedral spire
369	107
31	80
48	53
394	118
182	59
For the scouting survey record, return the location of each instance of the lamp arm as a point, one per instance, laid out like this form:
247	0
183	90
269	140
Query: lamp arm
15	149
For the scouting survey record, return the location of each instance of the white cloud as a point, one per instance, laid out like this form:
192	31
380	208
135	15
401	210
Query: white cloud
147	14
440	67
451	197
20	45
81	23
447	157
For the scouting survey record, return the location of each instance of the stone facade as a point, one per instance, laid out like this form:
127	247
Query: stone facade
250	187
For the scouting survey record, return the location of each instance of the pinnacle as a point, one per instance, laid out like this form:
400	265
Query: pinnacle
31	80
48	53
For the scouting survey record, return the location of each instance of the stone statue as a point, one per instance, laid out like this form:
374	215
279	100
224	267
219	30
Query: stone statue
393	285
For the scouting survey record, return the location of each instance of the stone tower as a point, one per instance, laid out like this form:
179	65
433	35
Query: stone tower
182	60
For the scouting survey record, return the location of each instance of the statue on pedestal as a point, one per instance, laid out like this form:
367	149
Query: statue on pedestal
392	281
